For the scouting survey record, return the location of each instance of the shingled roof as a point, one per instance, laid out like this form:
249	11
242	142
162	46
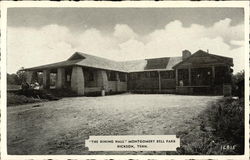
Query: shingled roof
86	60
164	63
200	54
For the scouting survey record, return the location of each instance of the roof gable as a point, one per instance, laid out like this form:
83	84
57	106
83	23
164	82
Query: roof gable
201	58
76	56
99	62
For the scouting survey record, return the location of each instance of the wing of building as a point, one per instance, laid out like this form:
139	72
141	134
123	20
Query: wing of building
197	73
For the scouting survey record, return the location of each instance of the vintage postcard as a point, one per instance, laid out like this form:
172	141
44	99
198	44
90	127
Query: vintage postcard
112	80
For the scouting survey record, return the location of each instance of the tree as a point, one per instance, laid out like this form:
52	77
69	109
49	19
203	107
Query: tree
12	79
238	84
16	78
21	75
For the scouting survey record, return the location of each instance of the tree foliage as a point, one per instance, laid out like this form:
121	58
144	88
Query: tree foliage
238	86
12	79
16	78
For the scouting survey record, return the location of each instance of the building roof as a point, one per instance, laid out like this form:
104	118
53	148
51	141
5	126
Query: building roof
97	62
201	57
86	60
55	65
164	63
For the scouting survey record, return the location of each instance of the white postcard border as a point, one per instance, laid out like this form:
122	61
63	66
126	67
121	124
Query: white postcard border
105	4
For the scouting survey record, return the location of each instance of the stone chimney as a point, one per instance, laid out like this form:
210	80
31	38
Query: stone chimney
185	54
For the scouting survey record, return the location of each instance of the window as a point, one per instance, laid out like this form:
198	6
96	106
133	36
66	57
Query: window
139	75
167	75
122	77
147	74
111	76
183	74
52	77
89	76
142	75
183	77
201	76
153	74
132	76
68	78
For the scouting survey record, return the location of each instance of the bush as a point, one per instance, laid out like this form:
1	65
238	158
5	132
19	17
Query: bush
238	84
14	99
227	118
221	124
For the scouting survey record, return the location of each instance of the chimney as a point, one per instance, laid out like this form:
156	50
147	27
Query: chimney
185	54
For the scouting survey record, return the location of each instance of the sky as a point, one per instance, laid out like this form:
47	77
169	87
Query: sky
38	36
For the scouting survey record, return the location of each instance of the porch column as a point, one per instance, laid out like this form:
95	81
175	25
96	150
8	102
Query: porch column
159	78
46	79
213	74
117	81
60	78
126	80
230	73
213	71
189	76
176	77
102	79
29	76
77	80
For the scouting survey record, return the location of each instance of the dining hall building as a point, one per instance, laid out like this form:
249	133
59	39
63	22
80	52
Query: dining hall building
197	73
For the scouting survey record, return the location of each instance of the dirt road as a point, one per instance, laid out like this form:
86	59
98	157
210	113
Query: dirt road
61	127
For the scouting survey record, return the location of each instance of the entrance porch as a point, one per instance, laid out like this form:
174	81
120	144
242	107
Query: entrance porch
78	79
203	80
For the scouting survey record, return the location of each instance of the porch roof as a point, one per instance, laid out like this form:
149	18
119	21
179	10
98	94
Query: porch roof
54	65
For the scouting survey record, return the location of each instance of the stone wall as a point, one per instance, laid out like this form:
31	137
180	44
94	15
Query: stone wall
77	80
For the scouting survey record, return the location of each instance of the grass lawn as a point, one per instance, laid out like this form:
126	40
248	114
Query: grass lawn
14	99
13	87
61	127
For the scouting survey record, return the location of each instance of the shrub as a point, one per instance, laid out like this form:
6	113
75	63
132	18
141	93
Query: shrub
238	84
14	99
221	124
227	118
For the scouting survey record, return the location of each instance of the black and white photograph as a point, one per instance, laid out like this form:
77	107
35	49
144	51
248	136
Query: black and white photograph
126	80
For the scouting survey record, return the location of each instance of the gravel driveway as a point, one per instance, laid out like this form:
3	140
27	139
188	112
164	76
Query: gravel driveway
61	127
